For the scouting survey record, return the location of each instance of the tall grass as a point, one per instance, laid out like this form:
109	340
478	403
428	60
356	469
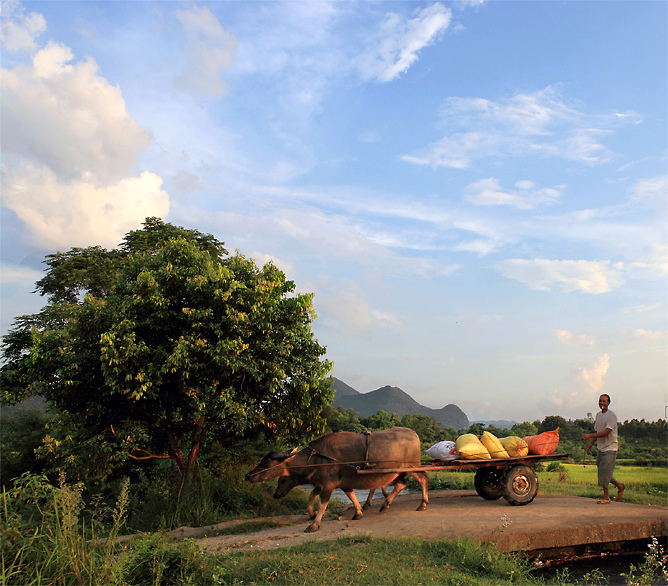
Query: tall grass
43	541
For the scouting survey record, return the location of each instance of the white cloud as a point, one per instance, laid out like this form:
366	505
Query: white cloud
654	259
68	118
649	334
19	30
79	212
345	312
569	275
488	192
69	149
538	123
400	40
581	391
568	339
210	49
653	191
262	259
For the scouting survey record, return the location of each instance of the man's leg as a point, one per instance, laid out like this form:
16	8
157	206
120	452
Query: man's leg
605	462
620	488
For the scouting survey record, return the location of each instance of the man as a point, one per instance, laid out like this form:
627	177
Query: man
606	442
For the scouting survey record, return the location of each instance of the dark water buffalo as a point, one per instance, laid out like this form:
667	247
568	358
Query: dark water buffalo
332	462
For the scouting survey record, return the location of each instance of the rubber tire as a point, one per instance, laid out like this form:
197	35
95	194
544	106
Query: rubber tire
489	483
520	485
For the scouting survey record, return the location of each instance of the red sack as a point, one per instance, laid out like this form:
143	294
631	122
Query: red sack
544	443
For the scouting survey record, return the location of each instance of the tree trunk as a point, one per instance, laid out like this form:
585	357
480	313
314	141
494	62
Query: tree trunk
188	473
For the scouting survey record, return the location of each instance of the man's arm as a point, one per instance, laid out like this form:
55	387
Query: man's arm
594	436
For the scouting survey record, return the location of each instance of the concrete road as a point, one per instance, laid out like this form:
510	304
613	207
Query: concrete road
551	524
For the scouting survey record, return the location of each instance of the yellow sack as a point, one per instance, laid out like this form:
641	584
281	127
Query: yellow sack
515	446
493	445
469	447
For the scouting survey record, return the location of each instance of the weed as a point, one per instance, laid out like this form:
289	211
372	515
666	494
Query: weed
652	569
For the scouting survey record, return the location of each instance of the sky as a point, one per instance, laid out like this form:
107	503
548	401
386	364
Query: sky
475	191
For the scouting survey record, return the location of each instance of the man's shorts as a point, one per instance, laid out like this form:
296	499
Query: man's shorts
605	461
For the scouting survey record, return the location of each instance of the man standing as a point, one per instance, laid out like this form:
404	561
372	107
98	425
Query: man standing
605	435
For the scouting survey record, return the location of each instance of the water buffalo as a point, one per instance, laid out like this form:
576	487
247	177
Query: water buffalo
332	462
285	485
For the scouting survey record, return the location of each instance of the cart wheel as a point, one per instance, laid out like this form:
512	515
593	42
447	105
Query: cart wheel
488	483
520	485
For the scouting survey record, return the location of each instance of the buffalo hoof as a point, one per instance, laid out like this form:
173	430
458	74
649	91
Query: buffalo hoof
384	508
312	528
357	516
422	507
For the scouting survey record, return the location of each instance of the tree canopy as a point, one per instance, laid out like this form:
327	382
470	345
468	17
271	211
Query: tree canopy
168	340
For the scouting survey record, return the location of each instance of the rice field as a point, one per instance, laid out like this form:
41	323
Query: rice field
645	485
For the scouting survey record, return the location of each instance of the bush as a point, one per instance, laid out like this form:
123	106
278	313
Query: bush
20	435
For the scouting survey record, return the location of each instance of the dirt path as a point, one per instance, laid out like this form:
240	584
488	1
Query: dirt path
551	521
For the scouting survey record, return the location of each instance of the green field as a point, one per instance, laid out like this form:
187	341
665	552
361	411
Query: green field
645	485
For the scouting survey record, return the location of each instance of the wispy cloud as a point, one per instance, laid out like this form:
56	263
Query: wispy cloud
536	124
210	49
525	196
568	275
642	334
641	308
585	384
398	42
568	339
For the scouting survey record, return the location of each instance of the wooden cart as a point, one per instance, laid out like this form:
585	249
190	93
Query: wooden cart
511	478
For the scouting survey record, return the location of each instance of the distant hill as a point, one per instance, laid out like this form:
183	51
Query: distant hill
394	400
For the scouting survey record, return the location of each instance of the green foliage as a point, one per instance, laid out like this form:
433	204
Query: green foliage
523	429
156	560
153	349
42	539
340	419
20	435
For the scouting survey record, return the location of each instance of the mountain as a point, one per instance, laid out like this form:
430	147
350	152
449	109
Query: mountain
394	400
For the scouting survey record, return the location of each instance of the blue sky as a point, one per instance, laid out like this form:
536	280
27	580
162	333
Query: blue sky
475	191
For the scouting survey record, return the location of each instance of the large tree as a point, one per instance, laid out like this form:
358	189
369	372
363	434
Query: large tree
167	340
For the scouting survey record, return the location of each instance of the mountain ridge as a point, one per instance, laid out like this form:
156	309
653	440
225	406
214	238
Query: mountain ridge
394	400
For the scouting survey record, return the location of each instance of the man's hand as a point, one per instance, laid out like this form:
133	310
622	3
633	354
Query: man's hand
587	436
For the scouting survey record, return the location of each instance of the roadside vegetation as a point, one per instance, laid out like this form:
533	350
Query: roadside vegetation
165	368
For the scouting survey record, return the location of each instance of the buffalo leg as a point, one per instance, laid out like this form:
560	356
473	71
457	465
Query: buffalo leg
399	485
358	509
423	479
325	494
367	503
311	499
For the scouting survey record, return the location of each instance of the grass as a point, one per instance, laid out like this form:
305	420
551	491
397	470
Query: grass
644	485
368	560
54	546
